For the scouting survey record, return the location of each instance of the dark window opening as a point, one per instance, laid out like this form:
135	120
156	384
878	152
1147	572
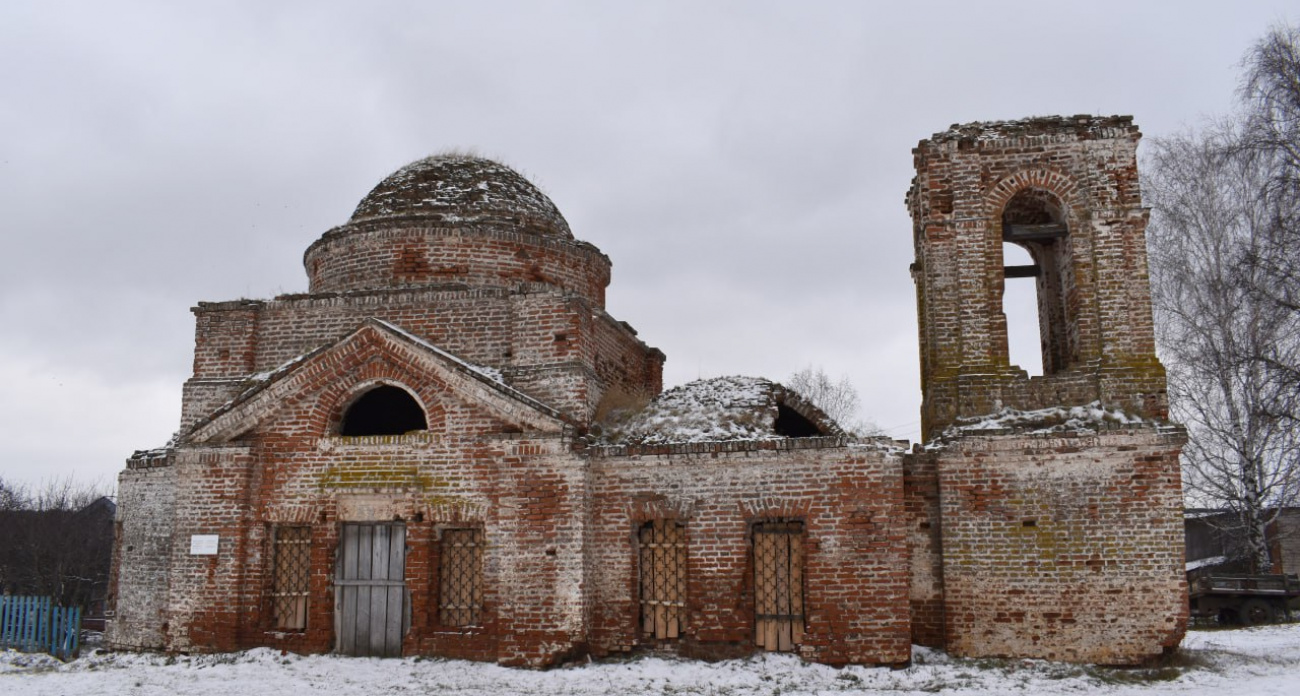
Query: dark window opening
790	423
1033	297
384	410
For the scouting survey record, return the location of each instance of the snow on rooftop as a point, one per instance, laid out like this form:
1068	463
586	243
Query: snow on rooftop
462	188
709	410
1033	127
1056	419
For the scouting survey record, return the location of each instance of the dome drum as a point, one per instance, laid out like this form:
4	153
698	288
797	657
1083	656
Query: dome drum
373	257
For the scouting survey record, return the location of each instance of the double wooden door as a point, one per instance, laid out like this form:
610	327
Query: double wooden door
370	590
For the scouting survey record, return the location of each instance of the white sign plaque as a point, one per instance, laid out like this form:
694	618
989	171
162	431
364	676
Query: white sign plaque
203	544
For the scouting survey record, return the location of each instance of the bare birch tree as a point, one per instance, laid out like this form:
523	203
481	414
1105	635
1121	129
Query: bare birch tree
836	398
1223	269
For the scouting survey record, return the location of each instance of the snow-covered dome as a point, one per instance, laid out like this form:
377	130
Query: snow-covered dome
721	409
455	188
455	220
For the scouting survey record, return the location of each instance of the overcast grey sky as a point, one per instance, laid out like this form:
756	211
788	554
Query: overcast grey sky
742	163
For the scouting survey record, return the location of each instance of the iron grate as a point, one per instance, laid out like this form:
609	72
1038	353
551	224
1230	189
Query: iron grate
460	574
289	589
778	584
663	578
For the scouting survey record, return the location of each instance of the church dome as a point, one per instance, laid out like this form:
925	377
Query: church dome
456	190
455	220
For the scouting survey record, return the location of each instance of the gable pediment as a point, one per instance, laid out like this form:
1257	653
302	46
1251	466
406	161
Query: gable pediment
376	347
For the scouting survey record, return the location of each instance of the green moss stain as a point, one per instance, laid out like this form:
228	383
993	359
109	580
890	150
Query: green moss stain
377	475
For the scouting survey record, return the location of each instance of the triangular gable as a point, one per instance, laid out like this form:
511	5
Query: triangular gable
473	383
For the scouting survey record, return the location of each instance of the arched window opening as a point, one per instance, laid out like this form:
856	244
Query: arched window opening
384	410
790	423
1033	224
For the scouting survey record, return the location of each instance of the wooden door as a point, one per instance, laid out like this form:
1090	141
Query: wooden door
371	590
778	585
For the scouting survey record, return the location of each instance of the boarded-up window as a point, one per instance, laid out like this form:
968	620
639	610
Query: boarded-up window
663	578
292	555
460	577
778	584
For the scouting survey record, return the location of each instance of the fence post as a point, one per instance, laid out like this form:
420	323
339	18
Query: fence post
4	621
43	623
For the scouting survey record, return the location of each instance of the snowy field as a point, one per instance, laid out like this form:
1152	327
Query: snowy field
1243	662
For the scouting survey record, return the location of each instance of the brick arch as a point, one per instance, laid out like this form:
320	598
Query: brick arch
335	399
1062	319
1054	181
359	389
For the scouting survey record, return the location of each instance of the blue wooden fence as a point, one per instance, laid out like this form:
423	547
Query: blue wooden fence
33	624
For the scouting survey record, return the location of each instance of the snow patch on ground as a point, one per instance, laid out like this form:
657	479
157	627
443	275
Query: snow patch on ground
1262	661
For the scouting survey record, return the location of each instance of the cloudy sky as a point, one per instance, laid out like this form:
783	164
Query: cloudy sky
742	163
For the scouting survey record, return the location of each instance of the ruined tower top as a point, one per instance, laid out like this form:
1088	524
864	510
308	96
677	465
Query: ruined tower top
1064	189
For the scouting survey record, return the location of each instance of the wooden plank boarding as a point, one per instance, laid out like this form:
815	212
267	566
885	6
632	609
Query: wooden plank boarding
778	585
372	589
378	596
663	559
396	625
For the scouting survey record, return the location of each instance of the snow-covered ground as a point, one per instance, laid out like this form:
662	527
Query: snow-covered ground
1243	662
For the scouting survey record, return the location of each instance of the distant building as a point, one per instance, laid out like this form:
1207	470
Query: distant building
1216	542
448	447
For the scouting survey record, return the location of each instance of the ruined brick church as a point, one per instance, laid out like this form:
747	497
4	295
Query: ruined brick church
448	447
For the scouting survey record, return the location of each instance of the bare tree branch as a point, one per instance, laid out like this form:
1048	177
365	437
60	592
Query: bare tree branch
1223	253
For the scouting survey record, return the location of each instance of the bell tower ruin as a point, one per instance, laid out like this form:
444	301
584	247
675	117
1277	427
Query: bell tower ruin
1065	190
1057	496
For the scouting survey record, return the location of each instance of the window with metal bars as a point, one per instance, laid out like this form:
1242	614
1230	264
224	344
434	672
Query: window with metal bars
778	584
460	577
662	548
289	583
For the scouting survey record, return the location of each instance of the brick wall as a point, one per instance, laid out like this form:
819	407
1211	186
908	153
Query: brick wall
925	546
213	489
391	255
275	461
1063	547
849	498
142	547
547	345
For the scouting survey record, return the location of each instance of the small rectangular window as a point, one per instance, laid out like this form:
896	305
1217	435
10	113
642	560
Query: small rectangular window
289	589
663	578
460	577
